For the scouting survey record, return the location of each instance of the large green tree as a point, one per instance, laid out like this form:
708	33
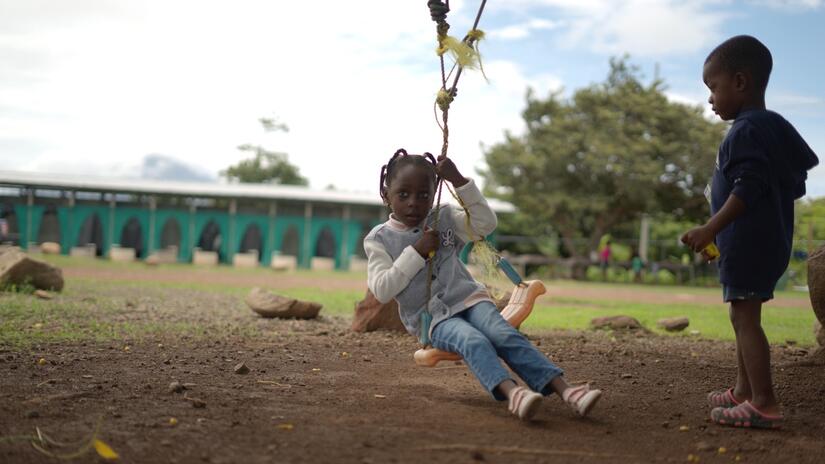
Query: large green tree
265	166
614	150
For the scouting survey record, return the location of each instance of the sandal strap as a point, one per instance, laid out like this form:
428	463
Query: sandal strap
516	398
573	394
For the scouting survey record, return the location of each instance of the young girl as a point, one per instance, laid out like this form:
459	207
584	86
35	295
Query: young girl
464	318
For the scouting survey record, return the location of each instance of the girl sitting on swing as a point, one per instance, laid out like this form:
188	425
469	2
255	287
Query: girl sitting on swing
464	318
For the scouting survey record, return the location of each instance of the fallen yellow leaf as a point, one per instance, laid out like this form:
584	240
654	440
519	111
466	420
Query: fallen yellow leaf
126	348
173	421
684	428
286	426
41	361
722	450
104	450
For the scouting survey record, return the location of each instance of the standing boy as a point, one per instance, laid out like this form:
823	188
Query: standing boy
761	169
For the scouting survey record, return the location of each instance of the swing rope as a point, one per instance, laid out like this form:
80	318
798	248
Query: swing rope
466	55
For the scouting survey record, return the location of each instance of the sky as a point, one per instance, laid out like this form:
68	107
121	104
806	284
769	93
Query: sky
103	87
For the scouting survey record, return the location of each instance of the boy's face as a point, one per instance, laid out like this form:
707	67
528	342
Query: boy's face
727	90
410	194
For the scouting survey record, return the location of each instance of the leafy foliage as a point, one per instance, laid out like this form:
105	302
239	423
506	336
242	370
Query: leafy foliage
598	160
265	166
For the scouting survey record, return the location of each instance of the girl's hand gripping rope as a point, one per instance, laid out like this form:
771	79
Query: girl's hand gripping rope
427	244
447	170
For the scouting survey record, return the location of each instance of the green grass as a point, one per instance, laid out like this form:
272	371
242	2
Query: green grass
93	310
781	324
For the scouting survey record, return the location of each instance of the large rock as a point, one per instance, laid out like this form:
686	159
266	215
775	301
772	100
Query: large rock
816	282
616	323
674	324
16	268
371	314
270	305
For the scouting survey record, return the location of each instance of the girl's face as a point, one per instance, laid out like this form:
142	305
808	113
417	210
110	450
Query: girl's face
410	194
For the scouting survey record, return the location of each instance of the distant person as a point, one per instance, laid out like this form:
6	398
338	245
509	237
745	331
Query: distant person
464	318
761	168
604	259
4	230
636	265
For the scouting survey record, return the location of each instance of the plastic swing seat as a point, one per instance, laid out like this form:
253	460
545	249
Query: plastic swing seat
518	308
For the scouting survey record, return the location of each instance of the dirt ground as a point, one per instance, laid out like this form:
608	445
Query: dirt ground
317	392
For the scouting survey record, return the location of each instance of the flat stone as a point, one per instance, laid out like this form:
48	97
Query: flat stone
175	387
704	446
50	248
43	294
616	323
271	305
16	268
674	324
241	369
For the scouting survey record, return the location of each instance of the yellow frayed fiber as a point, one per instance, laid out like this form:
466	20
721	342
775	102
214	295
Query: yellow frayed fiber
464	55
476	34
485	258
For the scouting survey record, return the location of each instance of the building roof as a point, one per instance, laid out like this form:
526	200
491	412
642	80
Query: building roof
199	189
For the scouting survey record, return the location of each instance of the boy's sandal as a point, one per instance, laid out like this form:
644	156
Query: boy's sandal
722	399
524	403
581	398
746	415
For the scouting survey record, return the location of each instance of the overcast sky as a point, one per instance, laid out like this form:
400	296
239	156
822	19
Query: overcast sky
94	86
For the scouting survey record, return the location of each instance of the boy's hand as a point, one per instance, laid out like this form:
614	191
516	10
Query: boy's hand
698	238
428	243
448	171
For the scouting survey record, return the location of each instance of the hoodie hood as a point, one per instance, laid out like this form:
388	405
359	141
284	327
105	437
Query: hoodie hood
791	157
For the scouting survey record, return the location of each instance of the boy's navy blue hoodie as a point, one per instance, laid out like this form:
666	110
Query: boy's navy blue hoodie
764	162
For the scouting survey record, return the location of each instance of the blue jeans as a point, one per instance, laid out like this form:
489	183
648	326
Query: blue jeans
480	335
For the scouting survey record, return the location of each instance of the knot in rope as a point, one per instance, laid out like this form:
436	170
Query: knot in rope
444	98
438	13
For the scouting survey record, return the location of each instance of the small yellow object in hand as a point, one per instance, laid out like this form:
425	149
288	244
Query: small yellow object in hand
711	251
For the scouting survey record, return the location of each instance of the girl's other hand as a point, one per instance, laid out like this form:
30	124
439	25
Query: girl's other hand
449	172
428	243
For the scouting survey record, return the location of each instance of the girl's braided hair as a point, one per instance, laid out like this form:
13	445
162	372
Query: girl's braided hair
401	159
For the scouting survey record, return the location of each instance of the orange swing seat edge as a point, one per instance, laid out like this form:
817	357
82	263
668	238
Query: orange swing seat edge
517	310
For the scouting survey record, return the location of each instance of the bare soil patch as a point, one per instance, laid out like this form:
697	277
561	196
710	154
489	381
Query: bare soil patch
317	392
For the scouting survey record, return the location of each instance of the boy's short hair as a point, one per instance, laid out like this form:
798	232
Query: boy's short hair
744	53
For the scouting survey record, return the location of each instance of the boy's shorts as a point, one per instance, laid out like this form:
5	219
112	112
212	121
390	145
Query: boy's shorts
738	294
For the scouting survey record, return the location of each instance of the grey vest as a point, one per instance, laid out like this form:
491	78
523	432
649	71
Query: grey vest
452	284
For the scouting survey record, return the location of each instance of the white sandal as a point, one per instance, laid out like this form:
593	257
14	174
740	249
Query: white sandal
524	403
581	398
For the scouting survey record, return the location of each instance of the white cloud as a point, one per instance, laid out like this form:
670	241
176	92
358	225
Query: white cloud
790	4
523	30
639	27
190	79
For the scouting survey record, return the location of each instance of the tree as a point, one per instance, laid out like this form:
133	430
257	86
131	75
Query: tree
598	160
266	166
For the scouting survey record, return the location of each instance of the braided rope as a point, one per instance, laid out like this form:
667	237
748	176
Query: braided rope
438	13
